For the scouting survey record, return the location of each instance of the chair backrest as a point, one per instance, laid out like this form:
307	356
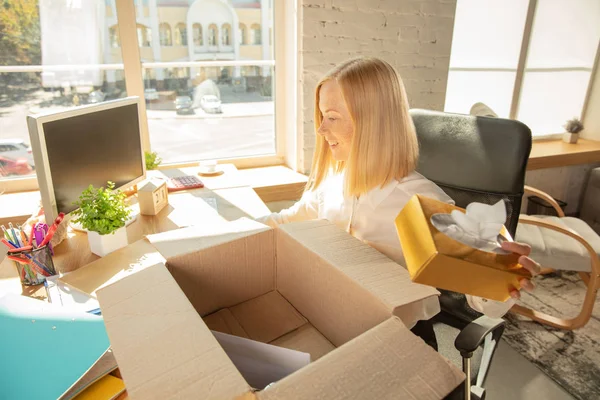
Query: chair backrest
474	158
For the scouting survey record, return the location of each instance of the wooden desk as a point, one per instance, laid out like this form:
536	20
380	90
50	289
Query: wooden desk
184	209
556	153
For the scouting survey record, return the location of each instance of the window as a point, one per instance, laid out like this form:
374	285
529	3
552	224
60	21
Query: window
236	88
113	33
243	34
212	35
165	34
543	89
180	35
197	30
144	35
255	34
244	129
54	79
226	32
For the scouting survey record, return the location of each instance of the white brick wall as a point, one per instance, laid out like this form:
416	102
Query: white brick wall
413	36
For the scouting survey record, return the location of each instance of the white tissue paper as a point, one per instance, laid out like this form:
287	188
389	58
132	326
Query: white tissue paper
479	227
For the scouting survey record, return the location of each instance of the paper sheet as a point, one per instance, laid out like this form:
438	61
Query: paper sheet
259	363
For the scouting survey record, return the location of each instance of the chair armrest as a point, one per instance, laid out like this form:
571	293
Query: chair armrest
536	192
473	335
527	219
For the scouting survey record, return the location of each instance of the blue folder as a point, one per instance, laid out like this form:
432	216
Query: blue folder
45	348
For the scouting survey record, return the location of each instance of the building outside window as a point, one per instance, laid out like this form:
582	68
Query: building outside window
197	30
165	34
212	35
255	34
226	32
245	130
243	34
180	34
113	32
144	36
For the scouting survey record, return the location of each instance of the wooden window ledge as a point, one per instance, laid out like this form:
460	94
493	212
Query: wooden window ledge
556	153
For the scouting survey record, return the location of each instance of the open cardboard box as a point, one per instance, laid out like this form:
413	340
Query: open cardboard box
306	286
433	258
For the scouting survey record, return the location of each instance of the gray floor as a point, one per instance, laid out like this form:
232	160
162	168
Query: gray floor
512	376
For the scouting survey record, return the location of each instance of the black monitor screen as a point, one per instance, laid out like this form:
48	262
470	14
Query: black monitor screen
92	149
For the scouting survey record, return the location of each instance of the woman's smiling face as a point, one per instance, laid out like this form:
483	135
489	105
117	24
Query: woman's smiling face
336	127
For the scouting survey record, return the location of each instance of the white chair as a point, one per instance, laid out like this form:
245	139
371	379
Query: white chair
561	243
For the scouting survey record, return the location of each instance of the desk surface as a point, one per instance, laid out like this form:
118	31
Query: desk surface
184	209
556	153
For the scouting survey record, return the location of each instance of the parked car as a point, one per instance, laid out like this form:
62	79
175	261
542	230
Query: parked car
16	149
183	105
150	94
211	104
96	97
10	167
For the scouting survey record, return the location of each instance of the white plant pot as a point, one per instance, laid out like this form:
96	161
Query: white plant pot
569	137
101	245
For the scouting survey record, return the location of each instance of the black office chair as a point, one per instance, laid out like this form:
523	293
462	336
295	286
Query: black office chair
472	159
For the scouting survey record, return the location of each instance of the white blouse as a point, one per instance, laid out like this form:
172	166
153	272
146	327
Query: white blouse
370	218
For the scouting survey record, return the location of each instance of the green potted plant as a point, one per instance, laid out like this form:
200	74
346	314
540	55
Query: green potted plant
103	213
572	127
152	160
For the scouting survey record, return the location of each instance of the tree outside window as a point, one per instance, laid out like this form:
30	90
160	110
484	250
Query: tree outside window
165	34
197	31
180	34
226	34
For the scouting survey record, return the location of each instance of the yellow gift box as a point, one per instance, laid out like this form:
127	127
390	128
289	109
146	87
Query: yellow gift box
435	259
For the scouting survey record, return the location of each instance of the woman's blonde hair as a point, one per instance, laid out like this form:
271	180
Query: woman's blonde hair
384	145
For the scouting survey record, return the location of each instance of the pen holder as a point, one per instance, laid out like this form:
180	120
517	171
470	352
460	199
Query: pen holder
33	265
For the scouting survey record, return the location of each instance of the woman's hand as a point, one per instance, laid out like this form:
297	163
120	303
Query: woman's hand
529	264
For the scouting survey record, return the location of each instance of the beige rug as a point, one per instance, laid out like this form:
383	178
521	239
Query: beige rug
571	358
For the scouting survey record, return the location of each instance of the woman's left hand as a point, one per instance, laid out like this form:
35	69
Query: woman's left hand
529	264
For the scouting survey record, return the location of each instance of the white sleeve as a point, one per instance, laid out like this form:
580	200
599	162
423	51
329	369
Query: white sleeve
305	209
491	308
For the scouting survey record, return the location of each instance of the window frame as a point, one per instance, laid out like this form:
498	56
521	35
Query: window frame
521	69
288	127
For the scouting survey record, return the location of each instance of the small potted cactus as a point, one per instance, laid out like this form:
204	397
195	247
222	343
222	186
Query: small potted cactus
572	128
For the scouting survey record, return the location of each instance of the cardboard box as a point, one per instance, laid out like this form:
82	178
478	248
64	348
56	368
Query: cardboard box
306	286
433	258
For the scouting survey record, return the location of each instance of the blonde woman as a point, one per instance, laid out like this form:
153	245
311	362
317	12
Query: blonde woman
363	168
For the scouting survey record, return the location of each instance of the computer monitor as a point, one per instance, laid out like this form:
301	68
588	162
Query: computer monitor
87	145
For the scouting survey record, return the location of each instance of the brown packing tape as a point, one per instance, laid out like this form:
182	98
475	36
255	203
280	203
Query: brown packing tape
163	348
306	339
228	274
267	317
223	321
113	267
387	362
339	307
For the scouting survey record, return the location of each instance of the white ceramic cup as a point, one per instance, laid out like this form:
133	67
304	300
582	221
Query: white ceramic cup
208	166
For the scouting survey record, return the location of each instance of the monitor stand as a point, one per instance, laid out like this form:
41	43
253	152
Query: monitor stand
132	217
